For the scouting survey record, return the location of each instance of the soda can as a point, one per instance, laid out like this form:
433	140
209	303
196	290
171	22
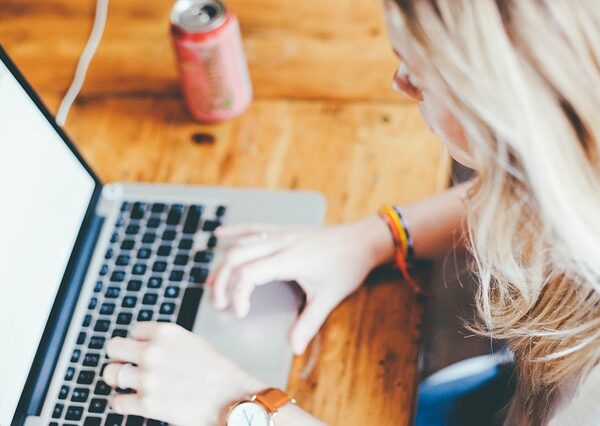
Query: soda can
211	60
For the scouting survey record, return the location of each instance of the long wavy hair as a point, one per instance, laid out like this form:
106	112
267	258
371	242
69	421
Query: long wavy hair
523	78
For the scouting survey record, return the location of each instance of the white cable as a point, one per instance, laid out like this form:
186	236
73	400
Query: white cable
84	62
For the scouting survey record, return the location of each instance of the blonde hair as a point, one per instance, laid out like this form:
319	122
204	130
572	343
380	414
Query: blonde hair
523	78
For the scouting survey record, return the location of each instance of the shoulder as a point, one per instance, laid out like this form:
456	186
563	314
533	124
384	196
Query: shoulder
578	404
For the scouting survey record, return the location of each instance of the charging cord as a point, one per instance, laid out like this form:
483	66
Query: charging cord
84	62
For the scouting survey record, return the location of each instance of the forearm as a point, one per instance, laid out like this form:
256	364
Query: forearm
436	225
292	415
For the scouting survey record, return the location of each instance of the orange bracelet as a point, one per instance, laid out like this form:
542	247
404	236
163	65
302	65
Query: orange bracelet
399	235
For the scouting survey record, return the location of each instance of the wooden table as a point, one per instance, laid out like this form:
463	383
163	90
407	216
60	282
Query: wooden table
324	118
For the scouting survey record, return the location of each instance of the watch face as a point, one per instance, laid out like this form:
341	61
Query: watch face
248	414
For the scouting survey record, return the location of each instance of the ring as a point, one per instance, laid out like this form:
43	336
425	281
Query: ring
120	383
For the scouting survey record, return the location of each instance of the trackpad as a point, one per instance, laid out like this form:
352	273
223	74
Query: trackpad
259	343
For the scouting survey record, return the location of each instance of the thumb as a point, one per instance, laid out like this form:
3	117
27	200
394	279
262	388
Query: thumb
308	324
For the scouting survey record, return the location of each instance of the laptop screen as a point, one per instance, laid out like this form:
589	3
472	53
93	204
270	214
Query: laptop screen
45	192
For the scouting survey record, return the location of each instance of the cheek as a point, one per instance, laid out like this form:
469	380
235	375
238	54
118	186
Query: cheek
449	129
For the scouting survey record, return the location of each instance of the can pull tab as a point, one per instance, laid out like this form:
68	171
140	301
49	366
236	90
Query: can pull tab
201	15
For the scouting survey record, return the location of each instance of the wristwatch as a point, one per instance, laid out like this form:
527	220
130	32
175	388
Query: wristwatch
260	409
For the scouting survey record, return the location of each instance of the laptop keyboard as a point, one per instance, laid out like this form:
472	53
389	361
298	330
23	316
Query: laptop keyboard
154	270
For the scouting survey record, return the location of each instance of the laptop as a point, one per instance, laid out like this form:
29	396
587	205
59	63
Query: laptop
81	261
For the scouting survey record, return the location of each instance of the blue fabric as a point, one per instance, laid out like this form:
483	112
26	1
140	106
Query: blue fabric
475	400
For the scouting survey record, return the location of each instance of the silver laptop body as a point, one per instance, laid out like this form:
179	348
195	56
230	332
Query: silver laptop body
120	272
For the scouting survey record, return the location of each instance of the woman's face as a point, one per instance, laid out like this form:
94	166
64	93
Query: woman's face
409	80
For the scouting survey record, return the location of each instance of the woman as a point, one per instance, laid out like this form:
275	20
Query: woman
513	89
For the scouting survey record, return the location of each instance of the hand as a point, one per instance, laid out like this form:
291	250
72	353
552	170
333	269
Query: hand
178	377
328	263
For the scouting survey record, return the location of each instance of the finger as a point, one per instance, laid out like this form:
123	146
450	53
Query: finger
123	376
125	350
237	231
128	404
308	324
234	258
250	275
144	330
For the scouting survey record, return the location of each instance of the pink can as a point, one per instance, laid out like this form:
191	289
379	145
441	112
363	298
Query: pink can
212	64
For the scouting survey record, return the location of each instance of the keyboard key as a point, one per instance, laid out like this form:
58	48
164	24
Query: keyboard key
150	299
103	270
123	260
87	320
64	392
210	225
97	405
198	275
169	235
114	237
139	210
86	377
81	337
107	309
134	285
91	360
58	410
117	276
164	250
174	216
129	302
112	292
138	269
158	208
127	245
132	229
153	223
109	254
102	388
102	326
212	242
69	374
98	287
155	282
113	420
76	355
192	220
92	421
134	421
186	244
167	308
176	276
172	291
149	238
74	413
159	266
80	395
189	307
181	259
124	318
125	206
119	332
203	256
120	222
220	212
144	253
150	422
92	304
145	315
96	342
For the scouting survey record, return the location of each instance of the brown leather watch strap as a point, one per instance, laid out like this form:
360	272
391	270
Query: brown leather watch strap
273	399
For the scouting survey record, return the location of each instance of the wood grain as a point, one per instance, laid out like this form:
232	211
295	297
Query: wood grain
324	119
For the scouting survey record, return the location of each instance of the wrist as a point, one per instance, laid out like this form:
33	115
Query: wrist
378	240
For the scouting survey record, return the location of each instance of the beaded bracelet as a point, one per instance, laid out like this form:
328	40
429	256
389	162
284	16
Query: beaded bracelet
403	245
